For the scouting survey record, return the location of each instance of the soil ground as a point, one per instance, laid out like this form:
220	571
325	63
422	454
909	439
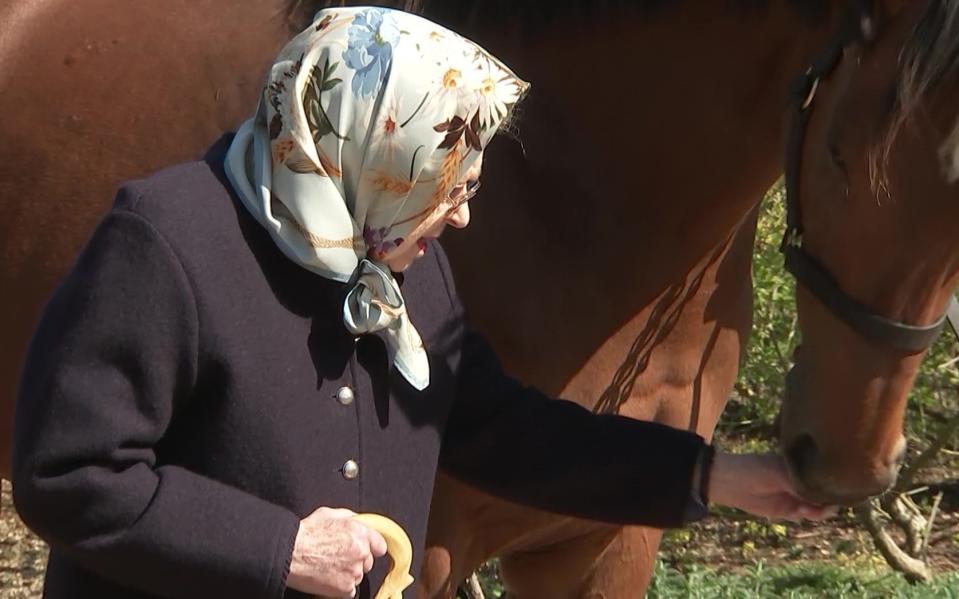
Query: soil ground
729	543
22	555
734	542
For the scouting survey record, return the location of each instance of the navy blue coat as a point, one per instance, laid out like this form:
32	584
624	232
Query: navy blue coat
180	411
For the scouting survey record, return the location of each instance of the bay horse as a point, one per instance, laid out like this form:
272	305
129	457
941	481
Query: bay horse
651	133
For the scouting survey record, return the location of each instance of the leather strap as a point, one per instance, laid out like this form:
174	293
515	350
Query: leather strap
911	338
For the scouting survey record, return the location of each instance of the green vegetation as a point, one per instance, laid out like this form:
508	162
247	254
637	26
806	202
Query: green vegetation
808	581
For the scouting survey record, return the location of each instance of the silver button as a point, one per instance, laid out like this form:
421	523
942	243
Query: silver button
350	470
345	396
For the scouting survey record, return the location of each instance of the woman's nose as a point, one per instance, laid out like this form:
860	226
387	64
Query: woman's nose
460	217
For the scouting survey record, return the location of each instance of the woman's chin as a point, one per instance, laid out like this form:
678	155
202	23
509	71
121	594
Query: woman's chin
400	265
403	259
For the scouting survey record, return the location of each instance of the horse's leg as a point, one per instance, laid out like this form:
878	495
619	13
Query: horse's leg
599	562
625	569
569	569
468	527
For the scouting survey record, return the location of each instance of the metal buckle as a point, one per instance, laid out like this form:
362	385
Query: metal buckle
812	91
793	239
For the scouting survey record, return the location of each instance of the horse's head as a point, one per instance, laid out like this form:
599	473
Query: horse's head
876	240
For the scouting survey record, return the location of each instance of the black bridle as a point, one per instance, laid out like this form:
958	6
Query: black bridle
857	26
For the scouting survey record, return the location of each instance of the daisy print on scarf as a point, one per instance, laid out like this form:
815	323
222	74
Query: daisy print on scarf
369	118
497	92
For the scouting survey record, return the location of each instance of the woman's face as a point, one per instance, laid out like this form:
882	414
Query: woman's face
454	212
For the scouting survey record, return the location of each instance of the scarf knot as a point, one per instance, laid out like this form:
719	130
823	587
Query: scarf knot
374	305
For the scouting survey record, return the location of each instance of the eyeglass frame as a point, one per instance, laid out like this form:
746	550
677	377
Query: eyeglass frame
468	194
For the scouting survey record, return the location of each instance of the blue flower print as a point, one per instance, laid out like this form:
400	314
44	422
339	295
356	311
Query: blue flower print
372	36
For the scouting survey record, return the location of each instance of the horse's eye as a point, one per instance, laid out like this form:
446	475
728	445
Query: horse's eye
836	156
471	185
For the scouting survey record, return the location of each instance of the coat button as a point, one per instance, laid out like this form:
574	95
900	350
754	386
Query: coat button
350	470
345	396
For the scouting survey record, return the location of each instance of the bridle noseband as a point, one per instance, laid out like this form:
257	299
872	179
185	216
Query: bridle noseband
856	27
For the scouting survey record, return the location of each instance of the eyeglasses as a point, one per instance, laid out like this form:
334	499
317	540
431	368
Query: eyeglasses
469	190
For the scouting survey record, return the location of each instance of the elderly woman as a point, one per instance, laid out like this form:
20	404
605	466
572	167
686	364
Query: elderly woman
242	358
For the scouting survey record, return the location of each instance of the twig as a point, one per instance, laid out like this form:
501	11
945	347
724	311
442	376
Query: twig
945	434
948	363
809	535
928	531
904	513
913	569
473	588
945	534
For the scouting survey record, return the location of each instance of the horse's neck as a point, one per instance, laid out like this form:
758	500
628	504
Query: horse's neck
644	151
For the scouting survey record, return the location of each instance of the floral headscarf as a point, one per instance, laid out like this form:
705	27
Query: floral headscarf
369	119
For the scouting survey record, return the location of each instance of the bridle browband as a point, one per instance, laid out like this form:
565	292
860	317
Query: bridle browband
857	26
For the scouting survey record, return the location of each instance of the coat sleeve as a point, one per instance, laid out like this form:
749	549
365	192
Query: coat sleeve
115	351
515	442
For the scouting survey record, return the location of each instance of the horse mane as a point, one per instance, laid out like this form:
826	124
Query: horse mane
534	16
931	56
928	59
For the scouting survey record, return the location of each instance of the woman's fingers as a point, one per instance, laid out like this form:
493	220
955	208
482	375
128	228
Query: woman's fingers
785	506
332	553
368	564
760	484
377	543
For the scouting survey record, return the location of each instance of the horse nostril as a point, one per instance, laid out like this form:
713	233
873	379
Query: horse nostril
801	453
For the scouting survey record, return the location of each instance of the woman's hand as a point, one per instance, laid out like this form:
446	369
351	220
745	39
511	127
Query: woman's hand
759	484
332	553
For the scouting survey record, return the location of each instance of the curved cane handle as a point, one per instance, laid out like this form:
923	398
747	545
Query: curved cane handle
400	550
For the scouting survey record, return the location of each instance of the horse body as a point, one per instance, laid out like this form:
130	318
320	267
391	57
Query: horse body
609	261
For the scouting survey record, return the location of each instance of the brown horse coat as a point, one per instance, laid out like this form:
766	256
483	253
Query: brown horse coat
684	133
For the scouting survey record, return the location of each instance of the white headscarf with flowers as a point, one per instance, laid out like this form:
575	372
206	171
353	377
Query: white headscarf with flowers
369	119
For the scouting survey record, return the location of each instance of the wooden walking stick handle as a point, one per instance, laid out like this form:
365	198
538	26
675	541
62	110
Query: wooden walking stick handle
400	550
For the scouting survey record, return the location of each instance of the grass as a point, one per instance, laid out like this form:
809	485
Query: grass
804	581
808	581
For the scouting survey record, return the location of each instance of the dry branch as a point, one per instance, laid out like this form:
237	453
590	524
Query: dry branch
472	587
913	569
